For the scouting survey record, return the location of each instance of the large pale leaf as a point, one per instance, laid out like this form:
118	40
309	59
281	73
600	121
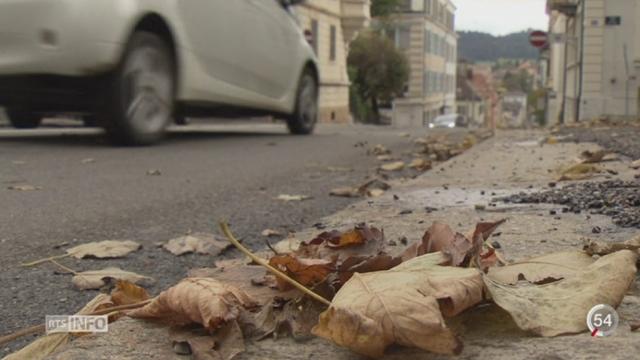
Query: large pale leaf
104	249
94	279
404	305
47	344
603	248
542	269
204	301
199	243
561	307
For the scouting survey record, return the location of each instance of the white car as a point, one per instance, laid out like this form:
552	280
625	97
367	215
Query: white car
134	66
448	121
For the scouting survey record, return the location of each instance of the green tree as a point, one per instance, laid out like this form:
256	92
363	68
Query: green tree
378	72
384	8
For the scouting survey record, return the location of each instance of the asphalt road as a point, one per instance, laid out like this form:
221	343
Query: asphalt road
208	172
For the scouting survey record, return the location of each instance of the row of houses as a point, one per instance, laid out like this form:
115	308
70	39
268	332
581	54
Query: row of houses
423	29
592	59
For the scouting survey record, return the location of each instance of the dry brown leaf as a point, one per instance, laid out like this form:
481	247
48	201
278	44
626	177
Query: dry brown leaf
420	164
204	301
379	150
593	156
384	158
224	344
579	172
24	188
199	243
404	305
104	249
540	270
394	166
375	193
560	307
126	293
45	345
94	279
288	245
635	164
345	192
288	198
604	248
308	272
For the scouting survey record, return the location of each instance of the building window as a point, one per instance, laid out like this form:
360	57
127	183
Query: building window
403	37
314	35
427	7
332	39
427	41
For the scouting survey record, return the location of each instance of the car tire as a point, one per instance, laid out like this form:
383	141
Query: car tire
305	116
139	97
23	119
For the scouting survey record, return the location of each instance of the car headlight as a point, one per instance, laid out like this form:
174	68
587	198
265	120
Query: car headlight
452	125
431	126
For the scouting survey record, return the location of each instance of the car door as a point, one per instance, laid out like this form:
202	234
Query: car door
217	34
272	48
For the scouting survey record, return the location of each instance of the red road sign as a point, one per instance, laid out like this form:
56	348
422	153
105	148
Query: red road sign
539	39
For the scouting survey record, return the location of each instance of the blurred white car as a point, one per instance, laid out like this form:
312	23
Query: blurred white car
448	121
134	66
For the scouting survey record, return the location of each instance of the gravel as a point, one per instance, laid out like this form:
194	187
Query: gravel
617	199
623	140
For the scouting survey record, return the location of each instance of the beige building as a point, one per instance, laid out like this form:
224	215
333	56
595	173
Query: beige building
332	25
425	31
594	58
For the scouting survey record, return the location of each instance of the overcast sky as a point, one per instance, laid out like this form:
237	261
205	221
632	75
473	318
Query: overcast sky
500	17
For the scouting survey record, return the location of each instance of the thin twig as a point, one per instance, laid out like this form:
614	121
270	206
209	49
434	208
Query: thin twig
263	262
37	262
67	269
271	247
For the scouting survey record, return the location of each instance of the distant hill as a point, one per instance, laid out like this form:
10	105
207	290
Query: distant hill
479	46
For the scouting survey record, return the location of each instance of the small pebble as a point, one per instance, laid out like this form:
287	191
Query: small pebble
496	245
596	230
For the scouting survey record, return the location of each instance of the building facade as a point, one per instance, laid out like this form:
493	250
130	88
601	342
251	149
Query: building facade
425	31
594	58
331	25
469	102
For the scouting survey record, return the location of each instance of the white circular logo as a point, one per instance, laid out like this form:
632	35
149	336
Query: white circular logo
602	320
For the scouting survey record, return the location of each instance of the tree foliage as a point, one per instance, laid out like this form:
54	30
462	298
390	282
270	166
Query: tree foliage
383	8
379	71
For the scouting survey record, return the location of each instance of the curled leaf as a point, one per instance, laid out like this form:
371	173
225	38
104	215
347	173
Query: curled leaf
307	272
104	249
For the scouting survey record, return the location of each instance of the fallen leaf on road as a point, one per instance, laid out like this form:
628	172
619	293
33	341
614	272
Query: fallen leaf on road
287	198
126	293
420	164
203	301
154	172
345	192
308	272
605	248
359	235
87	161
199	243
543	269
93	279
104	249
224	344
579	172
560	307
339	169
551	140
394	166
635	164
375	193
24	188
593	156
18	162
42	347
287	245
405	305
384	158
271	232
379	150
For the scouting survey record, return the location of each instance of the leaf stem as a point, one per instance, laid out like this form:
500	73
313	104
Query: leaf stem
37	262
263	262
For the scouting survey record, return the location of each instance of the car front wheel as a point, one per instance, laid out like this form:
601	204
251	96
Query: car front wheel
140	96
305	116
23	119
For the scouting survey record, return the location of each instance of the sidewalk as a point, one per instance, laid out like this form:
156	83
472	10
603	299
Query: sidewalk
458	192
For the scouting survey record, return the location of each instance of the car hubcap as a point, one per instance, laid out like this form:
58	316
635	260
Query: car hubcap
149	89
308	101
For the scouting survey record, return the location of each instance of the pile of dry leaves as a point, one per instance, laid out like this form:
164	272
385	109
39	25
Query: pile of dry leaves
361	292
